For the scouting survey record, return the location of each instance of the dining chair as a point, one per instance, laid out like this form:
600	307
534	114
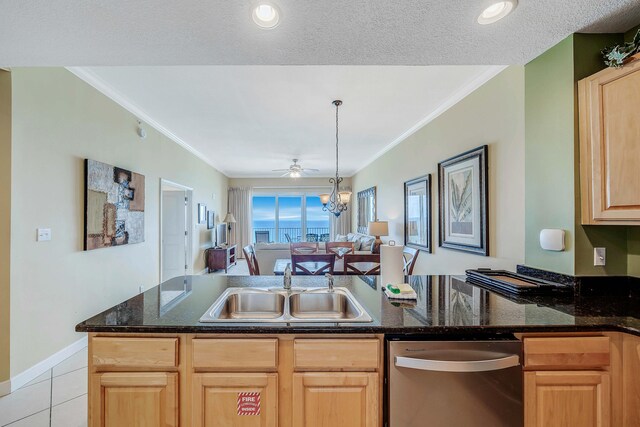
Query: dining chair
340	248
262	237
288	237
312	264
252	261
410	256
312	237
324	237
361	265
304	247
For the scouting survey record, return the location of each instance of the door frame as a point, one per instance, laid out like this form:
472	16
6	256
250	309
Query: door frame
189	225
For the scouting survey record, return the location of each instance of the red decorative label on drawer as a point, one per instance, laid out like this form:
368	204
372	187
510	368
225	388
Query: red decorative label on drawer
249	403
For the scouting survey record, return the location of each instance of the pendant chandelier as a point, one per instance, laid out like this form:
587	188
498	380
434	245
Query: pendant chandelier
337	201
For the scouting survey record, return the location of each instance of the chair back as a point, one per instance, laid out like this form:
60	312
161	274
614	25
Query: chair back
362	265
252	261
312	264
262	237
324	237
286	236
302	248
410	256
312	237
340	248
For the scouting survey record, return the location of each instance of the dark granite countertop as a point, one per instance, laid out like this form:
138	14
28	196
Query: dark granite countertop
446	305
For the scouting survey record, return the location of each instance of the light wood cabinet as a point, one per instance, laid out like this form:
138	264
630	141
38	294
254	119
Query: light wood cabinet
133	399
216	400
335	399
631	380
567	398
609	102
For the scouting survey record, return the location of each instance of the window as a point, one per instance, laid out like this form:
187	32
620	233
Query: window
289	218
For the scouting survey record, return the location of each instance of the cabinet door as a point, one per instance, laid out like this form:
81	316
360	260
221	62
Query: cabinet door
336	399
567	399
235	400
631	380
134	399
610	146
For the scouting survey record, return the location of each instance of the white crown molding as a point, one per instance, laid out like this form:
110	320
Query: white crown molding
40	368
452	100
103	87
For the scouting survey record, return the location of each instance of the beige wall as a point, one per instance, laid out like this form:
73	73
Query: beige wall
492	115
5	219
58	120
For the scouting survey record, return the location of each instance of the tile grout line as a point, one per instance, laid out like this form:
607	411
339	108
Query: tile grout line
20	419
69	400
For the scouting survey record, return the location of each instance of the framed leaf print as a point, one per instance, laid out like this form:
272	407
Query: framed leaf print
464	190
417	213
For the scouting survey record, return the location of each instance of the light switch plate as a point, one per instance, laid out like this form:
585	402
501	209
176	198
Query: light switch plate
44	234
599	256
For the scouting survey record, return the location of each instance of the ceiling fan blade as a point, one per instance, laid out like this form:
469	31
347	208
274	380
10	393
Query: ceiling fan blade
280	170
311	170
285	174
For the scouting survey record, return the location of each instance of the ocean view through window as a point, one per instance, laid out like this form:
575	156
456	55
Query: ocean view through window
290	218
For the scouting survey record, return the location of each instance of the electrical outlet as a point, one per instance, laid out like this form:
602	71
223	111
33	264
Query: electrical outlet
599	256
44	235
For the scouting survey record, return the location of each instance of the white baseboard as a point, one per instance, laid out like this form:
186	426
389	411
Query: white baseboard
40	368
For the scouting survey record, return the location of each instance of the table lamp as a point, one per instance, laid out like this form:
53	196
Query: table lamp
377	229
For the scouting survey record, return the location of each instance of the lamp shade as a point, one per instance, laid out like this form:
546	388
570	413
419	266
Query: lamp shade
379	228
229	219
345	196
324	198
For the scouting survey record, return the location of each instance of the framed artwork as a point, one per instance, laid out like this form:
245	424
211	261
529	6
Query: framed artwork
366	209
211	215
417	213
463	192
202	213
114	206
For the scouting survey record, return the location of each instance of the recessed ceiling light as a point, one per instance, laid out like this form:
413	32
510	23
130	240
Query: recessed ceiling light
266	15
496	11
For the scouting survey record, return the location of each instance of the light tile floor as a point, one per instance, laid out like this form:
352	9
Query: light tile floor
57	398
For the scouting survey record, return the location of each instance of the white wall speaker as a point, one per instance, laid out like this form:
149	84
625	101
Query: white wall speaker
552	239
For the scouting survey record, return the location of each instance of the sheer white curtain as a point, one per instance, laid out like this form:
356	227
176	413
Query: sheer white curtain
239	204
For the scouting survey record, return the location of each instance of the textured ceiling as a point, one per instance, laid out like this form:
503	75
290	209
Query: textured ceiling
327	32
248	120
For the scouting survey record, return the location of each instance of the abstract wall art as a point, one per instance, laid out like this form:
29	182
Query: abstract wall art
114	206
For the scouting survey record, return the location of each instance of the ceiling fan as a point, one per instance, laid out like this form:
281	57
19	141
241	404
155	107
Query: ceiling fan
295	170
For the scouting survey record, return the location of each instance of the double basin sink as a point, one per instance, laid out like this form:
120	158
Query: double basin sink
276	305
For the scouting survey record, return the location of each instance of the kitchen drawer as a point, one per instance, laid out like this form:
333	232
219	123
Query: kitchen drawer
116	352
235	354
566	352
336	354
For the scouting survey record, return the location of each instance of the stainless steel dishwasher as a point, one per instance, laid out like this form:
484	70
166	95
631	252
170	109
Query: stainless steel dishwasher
455	384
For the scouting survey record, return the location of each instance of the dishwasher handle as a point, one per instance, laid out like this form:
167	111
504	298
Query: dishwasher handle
458	366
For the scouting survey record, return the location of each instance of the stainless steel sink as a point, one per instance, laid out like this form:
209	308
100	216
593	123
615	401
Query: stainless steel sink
311	305
323	305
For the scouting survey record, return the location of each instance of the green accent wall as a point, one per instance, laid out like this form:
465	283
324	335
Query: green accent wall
633	244
549	155
552	183
629	35
5	220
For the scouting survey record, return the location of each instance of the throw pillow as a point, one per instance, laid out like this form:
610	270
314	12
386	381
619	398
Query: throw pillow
341	238
356	245
367	243
351	237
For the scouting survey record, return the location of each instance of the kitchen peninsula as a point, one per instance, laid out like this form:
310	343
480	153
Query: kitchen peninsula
152	350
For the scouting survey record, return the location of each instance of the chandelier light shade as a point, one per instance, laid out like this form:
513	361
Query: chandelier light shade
338	201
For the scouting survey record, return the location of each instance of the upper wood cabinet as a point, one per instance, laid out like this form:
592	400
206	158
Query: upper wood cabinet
609	107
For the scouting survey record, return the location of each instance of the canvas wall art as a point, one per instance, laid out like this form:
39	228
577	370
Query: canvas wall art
463	191
114	206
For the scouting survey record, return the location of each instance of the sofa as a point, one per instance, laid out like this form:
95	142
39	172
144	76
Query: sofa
268	253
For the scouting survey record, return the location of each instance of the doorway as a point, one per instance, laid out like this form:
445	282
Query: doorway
176	231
